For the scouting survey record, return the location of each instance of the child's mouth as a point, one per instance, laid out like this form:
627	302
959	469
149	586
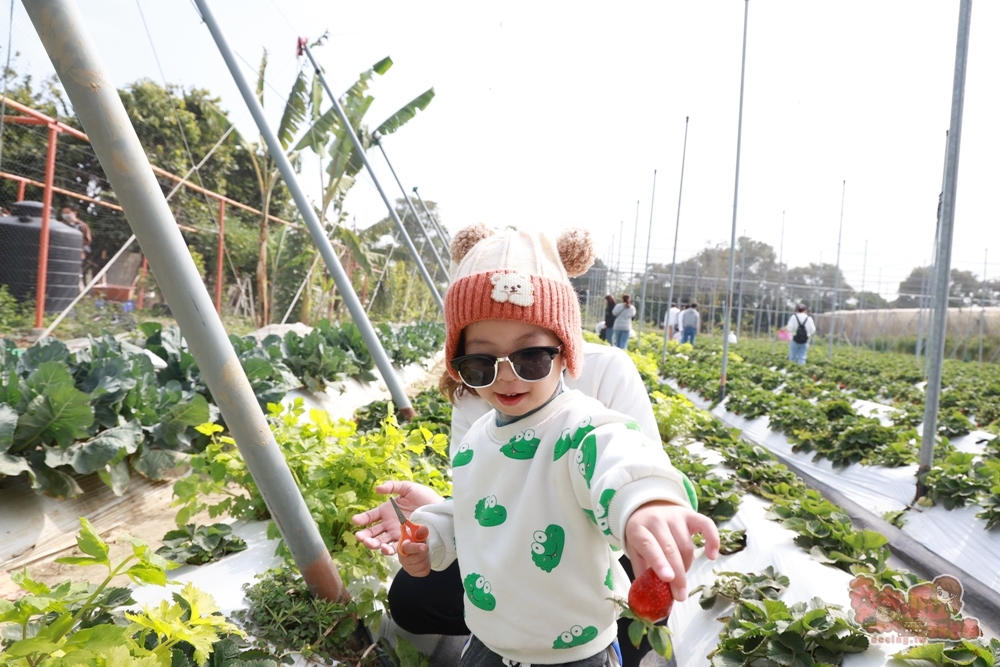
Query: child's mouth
510	399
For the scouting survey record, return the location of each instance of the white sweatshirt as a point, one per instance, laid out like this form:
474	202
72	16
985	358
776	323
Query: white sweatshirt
538	507
608	374
805	319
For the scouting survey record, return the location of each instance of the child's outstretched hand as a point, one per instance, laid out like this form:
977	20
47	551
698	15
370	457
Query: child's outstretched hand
415	557
658	537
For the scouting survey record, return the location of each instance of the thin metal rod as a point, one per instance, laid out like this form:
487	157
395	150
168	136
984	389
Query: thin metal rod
219	257
438	227
618	264
743	272
781	265
736	191
409	203
982	308
645	270
932	277
41	281
939	319
360	150
340	277
635	237
836	273
677	231
861	303
62	29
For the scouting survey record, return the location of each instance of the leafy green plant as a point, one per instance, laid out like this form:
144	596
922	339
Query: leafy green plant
675	415
433	413
735	586
335	467
959	480
199	545
991	508
769	633
87	624
965	653
284	618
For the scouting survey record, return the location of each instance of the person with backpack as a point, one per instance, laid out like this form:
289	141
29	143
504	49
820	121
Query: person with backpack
690	323
802	327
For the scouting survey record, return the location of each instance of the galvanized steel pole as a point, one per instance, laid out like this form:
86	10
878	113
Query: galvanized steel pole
423	228
736	191
433	218
645	270
340	277
61	27
939	319
743	272
677	231
360	149
836	273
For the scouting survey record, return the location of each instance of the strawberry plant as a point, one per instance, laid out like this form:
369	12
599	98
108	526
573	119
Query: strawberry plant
959	480
964	653
197	546
735	586
770	633
86	624
335	467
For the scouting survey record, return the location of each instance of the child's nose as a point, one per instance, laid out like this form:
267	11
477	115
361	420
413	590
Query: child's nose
506	372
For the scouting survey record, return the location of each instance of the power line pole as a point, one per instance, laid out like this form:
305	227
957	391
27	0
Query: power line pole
836	274
736	190
677	231
645	270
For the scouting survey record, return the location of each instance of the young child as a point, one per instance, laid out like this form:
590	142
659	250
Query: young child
550	485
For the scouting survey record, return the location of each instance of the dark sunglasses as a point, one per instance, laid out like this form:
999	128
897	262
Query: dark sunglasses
532	364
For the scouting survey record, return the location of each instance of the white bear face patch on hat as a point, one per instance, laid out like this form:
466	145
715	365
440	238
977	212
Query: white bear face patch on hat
512	287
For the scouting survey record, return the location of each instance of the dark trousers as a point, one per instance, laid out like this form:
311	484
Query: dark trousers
435	605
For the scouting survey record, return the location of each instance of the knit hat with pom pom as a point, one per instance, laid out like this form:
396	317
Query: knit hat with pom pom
520	276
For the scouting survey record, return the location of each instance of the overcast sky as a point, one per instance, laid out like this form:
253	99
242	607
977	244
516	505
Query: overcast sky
554	114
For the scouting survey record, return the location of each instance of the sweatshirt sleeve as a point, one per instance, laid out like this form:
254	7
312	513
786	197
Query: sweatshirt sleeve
440	520
617	469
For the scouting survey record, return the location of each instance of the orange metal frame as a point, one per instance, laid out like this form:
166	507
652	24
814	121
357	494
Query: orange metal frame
33	117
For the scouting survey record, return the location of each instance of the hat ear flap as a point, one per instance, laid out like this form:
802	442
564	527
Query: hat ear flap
576	250
466	238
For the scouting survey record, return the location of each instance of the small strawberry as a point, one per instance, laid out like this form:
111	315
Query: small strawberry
649	601
650	598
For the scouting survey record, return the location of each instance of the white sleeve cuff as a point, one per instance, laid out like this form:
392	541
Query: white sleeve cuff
635	494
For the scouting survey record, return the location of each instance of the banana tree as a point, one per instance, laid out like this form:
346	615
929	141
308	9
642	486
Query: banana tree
330	140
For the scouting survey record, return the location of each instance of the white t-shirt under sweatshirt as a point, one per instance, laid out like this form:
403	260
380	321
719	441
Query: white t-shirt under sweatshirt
539	506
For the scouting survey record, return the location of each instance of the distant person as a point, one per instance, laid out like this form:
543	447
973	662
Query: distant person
670	321
609	319
802	327
690	323
624	312
68	214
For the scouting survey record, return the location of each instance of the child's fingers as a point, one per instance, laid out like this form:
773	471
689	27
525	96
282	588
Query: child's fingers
699	523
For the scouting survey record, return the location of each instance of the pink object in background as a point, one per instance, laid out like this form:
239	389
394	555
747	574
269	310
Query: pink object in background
784	334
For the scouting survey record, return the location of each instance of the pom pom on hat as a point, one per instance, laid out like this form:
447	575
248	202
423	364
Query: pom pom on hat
576	250
466	238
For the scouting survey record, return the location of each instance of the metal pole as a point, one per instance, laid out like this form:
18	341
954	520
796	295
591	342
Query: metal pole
618	264
861	303
43	239
635	236
340	277
645	270
409	203
360	149
736	191
433	218
218	260
932	277
982	309
836	273
677	231
743	269
920	312
61	28
940	317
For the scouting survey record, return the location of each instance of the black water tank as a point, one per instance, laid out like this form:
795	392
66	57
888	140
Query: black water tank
19	234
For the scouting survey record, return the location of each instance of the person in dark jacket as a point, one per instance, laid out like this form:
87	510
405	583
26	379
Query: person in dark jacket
609	319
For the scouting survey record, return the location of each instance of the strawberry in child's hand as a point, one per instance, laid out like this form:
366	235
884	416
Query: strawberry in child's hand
650	598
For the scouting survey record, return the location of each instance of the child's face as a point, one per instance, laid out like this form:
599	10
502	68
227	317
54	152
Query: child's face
509	394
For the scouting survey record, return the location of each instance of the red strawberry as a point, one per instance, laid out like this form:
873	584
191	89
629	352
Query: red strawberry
650	597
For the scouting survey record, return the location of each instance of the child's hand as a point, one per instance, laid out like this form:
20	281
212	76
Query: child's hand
658	536
415	557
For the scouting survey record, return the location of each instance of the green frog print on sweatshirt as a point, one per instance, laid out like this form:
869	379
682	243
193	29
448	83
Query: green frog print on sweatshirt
547	549
586	457
478	591
489	512
463	456
522	446
575	636
601	513
571	439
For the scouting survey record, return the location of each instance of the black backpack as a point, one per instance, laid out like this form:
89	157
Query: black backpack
801	335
